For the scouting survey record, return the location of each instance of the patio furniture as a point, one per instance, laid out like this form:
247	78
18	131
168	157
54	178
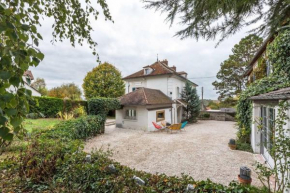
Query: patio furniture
175	127
165	123
183	125
159	127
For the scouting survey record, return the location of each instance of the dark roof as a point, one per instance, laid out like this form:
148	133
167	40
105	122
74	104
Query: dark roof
28	73
280	94
258	55
145	96
159	68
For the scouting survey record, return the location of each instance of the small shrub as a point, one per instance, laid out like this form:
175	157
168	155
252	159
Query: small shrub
244	146
39	163
32	116
206	115
65	115
80	111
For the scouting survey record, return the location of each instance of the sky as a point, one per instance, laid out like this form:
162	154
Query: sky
131	42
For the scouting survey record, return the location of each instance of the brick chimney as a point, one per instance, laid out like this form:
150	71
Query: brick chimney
173	68
165	62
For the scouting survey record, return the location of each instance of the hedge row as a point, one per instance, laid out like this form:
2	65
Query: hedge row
102	105
55	162
50	106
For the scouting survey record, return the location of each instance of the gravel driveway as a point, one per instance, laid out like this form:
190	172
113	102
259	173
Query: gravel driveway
201	151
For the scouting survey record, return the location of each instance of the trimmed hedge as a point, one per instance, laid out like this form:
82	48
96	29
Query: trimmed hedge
50	106
80	128
100	105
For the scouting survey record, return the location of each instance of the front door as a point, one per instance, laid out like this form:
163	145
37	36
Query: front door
267	132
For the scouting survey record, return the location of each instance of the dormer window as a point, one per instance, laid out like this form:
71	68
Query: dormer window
28	80
147	70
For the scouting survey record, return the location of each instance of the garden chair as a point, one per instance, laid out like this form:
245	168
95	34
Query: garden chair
175	127
183	125
159	127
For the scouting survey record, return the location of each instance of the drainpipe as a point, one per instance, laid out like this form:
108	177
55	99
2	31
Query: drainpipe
171	114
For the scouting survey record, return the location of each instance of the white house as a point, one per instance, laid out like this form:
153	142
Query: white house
265	109
27	79
152	95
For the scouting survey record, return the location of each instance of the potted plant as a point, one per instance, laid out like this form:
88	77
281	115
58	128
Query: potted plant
245	175
232	144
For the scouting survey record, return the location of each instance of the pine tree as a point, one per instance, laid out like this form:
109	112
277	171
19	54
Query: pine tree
209	19
189	95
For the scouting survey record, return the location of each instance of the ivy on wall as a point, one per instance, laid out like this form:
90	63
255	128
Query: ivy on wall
261	70
279	57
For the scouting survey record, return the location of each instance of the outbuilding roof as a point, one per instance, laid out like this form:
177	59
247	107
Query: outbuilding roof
280	94
145	96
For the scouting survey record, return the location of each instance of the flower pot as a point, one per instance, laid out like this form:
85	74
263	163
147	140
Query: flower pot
244	181
233	146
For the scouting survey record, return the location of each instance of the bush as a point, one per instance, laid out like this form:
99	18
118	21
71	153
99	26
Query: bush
206	115
80	111
32	116
80	128
101	106
244	146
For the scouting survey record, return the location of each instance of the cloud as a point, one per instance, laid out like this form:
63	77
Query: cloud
131	42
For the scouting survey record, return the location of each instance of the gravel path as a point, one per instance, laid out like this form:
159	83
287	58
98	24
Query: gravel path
201	151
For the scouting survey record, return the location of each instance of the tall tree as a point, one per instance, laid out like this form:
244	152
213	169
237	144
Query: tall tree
19	40
190	96
40	85
231	80
105	80
209	18
70	90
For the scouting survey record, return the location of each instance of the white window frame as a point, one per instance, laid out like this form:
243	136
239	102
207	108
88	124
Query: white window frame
130	113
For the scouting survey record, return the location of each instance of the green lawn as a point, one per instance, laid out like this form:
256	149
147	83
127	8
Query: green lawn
30	124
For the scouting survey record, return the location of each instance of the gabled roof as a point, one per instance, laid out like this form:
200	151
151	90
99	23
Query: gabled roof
280	94
28	73
145	96
159	68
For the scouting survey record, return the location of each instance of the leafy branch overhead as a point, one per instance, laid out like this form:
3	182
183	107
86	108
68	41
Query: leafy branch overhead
19	20
207	19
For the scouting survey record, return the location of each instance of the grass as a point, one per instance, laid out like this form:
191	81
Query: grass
31	124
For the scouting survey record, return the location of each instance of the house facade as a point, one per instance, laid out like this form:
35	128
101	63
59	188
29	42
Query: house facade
27	79
145	83
265	107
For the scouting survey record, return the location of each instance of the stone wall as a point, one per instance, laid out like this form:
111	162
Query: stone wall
218	115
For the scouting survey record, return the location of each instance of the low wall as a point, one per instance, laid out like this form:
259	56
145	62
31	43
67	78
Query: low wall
218	115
